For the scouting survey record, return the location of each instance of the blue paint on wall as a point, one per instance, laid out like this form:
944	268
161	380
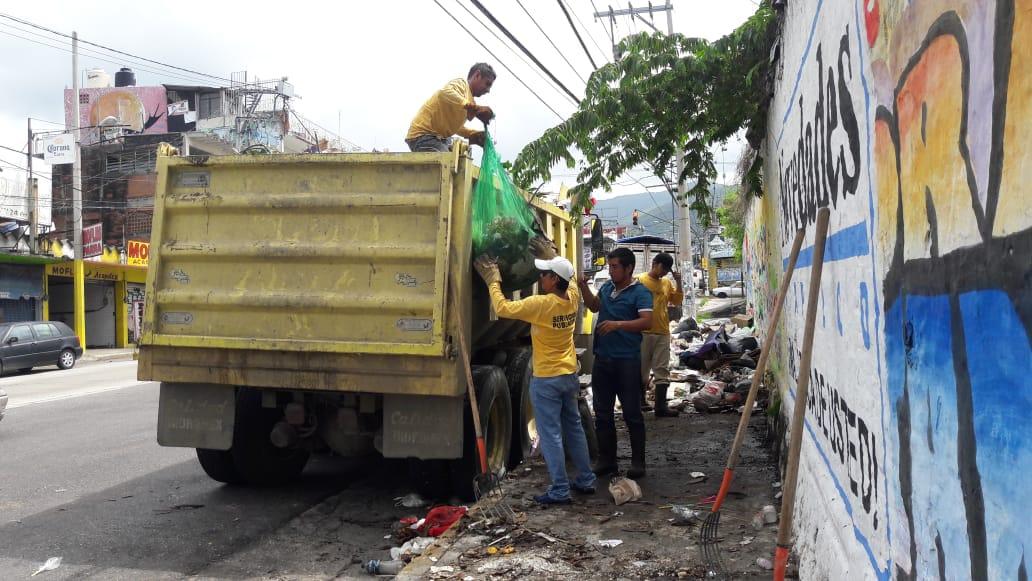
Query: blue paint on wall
838	307
846	243
864	309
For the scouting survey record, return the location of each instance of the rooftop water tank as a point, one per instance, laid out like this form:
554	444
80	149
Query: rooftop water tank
97	79
125	77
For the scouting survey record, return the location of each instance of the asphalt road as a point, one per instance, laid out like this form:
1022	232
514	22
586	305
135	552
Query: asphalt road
82	478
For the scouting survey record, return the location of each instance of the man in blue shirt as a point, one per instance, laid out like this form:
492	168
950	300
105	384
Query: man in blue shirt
624	308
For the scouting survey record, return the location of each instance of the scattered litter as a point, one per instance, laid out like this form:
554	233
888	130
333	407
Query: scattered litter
746	541
442	569
778	495
548	538
468	578
764	563
610	543
776	485
61	490
757	521
684	515
440	519
624	490
508	550
492	551
696	477
376	567
411	500
413	547
770	515
51	564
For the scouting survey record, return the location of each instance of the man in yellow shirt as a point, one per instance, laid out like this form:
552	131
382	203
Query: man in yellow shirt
554	386
655	345
446	112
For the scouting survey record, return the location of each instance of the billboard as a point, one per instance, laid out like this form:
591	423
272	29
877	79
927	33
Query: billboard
93	240
135	109
137	253
59	149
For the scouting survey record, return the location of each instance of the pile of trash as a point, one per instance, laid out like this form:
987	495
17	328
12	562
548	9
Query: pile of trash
415	534
712	364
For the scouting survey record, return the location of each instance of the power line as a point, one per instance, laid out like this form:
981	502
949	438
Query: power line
515	41
40	27
562	6
592	36
512	50
549	39
94	55
474	37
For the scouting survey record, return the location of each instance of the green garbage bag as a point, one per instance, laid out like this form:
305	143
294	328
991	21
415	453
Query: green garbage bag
504	225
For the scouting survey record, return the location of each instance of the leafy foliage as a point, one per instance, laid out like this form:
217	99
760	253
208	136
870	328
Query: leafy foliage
661	92
732	217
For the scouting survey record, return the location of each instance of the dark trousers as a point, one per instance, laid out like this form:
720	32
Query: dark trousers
611	379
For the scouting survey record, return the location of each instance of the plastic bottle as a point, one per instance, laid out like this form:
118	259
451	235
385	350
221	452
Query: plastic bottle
377	567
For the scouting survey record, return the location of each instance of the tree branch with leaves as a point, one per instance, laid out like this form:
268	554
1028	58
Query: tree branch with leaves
662	91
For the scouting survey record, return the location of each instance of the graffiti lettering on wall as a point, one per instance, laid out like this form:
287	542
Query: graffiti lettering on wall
820	169
953	162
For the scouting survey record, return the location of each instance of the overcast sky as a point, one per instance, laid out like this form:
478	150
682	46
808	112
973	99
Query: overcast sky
369	64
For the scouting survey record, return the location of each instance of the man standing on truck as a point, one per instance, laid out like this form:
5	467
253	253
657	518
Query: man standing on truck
554	386
655	345
624	308
446	112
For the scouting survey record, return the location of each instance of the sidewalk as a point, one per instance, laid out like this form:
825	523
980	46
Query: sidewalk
560	541
100	355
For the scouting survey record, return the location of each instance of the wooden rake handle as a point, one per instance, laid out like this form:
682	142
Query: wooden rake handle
471	390
802	393
761	367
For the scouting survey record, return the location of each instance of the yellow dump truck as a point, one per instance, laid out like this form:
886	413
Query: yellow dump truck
313	303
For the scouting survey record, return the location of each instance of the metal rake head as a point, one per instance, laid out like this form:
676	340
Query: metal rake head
492	499
709	540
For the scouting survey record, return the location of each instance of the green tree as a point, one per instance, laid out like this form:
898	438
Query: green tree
662	91
732	217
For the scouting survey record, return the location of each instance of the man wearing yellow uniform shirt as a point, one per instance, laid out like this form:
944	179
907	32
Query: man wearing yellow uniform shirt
554	386
655	345
446	112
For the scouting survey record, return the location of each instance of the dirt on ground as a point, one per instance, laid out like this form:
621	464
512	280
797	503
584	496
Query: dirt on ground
595	538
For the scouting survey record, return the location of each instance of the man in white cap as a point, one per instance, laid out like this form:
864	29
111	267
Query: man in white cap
554	386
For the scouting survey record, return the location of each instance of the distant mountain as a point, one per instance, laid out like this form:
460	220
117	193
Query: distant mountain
655	212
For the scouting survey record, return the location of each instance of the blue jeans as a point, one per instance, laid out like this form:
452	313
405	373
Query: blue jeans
559	423
429	143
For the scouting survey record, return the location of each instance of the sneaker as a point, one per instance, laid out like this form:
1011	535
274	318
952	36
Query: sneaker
546	500
583	489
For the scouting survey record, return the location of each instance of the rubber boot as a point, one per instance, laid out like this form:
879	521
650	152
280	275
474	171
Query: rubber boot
662	410
637	454
606	463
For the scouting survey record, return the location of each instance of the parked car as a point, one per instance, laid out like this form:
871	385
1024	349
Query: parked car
3	403
735	289
34	343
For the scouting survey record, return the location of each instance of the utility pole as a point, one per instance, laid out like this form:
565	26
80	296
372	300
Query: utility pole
78	271
33	200
682	216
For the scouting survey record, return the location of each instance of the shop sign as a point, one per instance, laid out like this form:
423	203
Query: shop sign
92	240
59	149
90	272
137	253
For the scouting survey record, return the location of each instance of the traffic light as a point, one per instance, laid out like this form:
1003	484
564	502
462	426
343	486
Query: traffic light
634	218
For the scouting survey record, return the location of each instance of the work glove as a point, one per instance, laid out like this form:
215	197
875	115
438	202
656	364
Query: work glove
487	268
542	248
477	139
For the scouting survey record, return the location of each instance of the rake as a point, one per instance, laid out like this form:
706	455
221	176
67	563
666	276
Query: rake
709	532
487	486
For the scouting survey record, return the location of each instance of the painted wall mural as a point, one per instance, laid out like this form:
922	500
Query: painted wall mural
909	120
135	109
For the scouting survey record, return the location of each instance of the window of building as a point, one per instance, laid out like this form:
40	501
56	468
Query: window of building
209	105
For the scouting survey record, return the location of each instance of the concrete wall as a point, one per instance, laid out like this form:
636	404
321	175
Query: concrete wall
910	120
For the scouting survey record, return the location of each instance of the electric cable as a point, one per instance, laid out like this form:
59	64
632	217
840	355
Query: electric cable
549	39
473	36
519	44
576	33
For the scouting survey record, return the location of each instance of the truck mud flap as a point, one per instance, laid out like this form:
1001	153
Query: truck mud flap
196	415
425	427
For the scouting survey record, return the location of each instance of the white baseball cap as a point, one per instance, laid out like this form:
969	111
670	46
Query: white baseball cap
558	265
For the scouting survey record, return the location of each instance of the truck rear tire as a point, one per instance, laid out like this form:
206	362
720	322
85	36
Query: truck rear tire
495	420
518	371
219	466
255	459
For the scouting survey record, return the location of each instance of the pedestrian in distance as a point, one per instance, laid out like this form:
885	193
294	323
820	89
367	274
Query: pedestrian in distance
554	387
655	345
624	308
446	112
